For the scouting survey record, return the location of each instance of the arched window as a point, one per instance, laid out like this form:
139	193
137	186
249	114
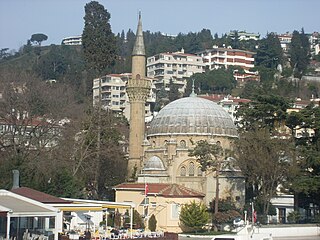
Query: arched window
191	169
199	172
183	171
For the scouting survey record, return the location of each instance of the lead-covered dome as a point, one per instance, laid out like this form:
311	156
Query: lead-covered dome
192	116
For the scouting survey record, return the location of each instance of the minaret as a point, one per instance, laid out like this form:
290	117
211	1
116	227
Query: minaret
138	89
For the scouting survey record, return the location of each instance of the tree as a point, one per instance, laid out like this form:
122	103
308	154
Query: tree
215	81
30	113
269	53
264	111
299	53
210	157
137	219
265	161
53	64
193	216
4	53
96	165
38	38
152	224
174	93
98	41
305	181
162	99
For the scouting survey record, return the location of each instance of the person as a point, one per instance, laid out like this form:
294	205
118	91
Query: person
13	229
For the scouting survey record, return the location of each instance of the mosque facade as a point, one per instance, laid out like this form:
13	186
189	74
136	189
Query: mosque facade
159	154
174	132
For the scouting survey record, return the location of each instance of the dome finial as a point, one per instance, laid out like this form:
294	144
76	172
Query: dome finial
193	94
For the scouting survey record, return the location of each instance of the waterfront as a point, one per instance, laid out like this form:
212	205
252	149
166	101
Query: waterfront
275	238
299	238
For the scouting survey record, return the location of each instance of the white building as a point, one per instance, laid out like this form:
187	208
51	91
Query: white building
243	35
178	66
114	96
284	204
74	40
285	41
225	57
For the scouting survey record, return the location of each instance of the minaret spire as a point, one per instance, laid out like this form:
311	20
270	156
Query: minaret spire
138	48
138	90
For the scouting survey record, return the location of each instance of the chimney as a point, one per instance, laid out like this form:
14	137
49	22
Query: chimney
16	180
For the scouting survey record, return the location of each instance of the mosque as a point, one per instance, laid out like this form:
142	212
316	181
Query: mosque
161	174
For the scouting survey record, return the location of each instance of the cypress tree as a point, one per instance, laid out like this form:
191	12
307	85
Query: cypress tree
99	43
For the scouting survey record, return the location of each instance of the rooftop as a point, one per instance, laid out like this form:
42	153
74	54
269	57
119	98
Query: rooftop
161	189
37	195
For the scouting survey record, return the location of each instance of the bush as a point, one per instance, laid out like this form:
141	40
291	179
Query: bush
225	217
294	217
152	223
137	219
193	217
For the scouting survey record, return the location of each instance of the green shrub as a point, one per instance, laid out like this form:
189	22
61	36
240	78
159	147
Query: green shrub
152	223
294	217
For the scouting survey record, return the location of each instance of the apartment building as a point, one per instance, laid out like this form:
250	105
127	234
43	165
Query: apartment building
314	39
178	66
243	35
225	57
285	41
74	40
112	89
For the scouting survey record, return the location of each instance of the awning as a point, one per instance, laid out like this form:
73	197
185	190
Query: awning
103	204
74	207
19	206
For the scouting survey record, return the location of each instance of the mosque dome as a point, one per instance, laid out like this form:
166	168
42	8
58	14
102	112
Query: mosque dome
192	116
154	163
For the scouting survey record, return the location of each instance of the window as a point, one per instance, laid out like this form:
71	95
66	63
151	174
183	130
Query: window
191	169
183	171
175	210
199	172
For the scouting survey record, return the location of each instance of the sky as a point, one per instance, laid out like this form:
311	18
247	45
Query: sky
19	19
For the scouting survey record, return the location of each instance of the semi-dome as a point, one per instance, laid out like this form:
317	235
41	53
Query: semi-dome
192	116
154	163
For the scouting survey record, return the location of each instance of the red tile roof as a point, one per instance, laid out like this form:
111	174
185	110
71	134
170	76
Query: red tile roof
161	189
38	196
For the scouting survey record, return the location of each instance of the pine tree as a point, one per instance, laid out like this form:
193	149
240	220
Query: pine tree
193	216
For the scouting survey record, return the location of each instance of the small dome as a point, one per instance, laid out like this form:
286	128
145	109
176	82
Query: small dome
154	163
193	116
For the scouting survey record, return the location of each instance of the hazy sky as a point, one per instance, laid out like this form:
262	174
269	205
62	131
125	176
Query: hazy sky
19	19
